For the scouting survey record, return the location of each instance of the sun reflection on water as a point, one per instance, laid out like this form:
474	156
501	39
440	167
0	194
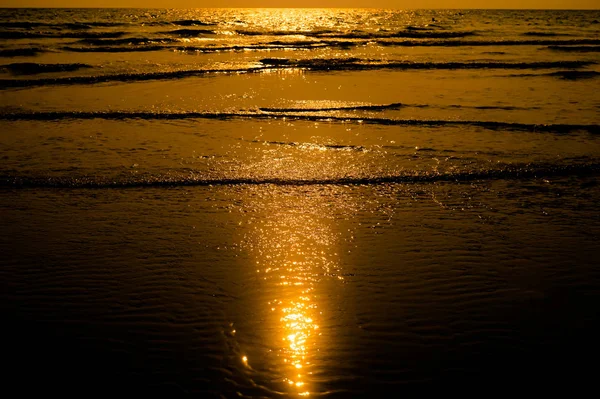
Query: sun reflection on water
294	243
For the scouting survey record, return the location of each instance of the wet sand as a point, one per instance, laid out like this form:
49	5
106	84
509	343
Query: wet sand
333	290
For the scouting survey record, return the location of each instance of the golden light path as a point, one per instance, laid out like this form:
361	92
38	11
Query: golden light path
295	246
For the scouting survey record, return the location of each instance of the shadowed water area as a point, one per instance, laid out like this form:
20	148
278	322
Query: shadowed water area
299	203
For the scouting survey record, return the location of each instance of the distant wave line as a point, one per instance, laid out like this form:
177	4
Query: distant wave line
566	75
209	49
577	49
392	106
92	24
410	33
31	68
147	44
373	107
69	25
125	115
324	65
22	52
59	35
127	41
508	173
500	42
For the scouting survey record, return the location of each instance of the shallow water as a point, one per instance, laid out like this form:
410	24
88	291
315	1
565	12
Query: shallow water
356	204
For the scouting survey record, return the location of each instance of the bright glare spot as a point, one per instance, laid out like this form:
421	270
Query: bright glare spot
245	359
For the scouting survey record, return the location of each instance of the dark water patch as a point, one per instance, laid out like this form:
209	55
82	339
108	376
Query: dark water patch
77	26
460	43
109	49
278	61
190	32
128	41
576	49
32	68
503	172
126	115
383	107
22	35
21	52
544	34
59	35
22	25
575	75
191	22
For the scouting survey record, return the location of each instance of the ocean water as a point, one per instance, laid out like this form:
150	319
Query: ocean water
299	202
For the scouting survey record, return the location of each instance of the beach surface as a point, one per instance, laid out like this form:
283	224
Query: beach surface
285	203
